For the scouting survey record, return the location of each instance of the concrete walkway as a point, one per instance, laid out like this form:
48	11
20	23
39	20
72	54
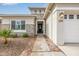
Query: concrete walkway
41	48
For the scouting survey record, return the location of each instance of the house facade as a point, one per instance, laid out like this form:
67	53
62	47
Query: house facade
62	22
58	21
32	24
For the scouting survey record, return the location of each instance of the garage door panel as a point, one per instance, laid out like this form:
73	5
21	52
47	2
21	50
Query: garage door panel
71	31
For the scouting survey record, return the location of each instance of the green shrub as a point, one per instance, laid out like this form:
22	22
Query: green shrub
25	35
5	33
14	35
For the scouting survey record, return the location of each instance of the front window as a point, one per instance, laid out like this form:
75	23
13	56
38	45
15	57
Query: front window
18	25
22	25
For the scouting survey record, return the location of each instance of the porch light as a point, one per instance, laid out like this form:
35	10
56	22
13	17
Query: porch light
61	16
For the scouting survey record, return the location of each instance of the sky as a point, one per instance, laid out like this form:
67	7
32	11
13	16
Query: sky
18	8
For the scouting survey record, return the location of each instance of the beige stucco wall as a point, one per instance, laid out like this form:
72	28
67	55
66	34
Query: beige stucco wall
4	26
30	29
67	4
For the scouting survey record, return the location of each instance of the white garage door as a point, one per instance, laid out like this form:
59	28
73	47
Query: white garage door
71	29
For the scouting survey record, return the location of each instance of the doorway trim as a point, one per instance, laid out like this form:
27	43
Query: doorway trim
43	26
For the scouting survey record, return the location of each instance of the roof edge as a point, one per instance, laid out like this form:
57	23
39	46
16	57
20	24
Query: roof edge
18	15
30	8
48	9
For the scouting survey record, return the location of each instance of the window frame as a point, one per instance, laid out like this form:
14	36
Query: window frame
17	24
71	17
12	25
23	24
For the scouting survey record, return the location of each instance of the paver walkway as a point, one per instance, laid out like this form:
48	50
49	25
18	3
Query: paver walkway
41	48
40	44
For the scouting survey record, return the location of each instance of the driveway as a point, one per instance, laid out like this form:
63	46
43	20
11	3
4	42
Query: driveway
70	49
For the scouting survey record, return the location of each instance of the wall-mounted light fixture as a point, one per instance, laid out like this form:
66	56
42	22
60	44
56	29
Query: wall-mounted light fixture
61	17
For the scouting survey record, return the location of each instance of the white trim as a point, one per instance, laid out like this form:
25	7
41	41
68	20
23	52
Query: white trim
43	26
68	8
19	30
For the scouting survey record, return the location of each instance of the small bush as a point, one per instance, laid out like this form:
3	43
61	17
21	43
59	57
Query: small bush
5	33
25	35
13	35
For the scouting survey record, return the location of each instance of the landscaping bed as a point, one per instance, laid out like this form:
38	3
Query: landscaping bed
15	46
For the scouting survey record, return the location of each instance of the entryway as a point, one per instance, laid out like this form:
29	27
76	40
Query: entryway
40	27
